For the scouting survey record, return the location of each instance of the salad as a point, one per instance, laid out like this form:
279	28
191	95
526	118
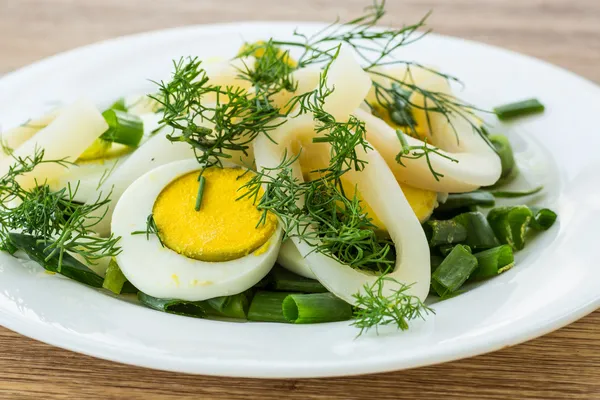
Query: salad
310	180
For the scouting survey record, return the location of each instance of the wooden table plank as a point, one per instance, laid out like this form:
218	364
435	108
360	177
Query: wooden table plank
561	365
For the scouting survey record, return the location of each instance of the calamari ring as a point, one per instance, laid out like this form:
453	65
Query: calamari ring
477	163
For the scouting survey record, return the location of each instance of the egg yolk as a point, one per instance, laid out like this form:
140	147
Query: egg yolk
224	228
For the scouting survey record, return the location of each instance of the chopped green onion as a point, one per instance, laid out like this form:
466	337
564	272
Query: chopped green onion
450	214
37	249
519	193
314	308
543	218
267	307
459	200
286	281
492	262
435	261
123	128
264	283
480	234
453	271
128	288
226	306
507	158
444	232
118	105
519	109
510	224
235	306
201	183
173	306
114	278
445	249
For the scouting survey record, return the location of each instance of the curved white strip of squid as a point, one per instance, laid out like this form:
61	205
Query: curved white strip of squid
290	258
476	163
412	265
68	135
14	137
379	188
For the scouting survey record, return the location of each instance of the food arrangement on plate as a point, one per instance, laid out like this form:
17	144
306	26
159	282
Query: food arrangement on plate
302	181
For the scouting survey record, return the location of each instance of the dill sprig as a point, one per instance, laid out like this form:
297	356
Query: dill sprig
151	229
358	34
319	213
343	137
213	129
416	152
374	308
271	72
54	217
375	48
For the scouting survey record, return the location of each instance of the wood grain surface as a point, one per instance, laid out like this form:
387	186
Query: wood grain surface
561	365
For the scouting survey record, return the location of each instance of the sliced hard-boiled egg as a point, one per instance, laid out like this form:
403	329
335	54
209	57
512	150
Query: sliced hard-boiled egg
219	250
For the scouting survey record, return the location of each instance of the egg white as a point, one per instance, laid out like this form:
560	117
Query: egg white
163	273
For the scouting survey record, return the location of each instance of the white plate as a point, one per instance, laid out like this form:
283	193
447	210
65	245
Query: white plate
556	281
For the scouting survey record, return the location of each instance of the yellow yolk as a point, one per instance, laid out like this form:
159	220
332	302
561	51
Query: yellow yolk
223	229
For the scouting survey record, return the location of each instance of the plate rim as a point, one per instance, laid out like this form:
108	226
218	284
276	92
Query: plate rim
45	333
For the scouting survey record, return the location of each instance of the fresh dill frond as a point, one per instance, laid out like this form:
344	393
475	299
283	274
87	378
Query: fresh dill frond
6	149
374	308
60	222
417	152
106	174
376	48
214	129
327	220
271	73
151	229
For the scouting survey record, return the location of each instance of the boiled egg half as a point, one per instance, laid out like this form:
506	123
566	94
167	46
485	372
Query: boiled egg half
223	248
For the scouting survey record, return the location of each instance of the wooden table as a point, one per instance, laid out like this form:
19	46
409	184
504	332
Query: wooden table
561	365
